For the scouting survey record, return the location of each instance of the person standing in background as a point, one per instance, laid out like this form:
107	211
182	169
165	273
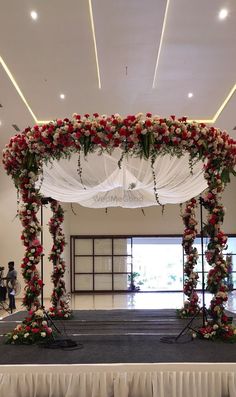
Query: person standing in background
11	281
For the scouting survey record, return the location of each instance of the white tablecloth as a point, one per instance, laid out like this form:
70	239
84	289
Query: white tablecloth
119	380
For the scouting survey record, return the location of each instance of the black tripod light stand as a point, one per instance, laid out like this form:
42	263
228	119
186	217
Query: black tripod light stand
202	310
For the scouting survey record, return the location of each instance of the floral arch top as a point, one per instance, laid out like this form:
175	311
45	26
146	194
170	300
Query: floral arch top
136	135
144	136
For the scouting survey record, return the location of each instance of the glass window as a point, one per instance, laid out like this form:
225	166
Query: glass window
122	246
83	264
103	246
83	282
121	282
84	246
121	264
102	264
138	263
102	282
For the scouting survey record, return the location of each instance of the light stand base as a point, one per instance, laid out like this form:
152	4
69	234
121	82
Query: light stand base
58	342
188	327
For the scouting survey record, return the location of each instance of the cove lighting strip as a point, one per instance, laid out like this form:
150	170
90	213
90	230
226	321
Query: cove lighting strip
220	110
7	70
94	42
160	45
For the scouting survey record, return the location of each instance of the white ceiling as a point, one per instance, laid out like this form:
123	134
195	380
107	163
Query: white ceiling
56	54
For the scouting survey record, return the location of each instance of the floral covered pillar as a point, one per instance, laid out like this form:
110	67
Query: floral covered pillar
35	327
30	203
214	255
191	306
60	305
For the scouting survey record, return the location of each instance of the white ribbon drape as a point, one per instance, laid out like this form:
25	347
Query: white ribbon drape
104	184
119	380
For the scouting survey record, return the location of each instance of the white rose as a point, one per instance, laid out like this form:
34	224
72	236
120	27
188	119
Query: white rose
15	337
39	313
43	334
26	335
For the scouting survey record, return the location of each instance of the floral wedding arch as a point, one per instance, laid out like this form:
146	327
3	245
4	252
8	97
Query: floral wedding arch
143	137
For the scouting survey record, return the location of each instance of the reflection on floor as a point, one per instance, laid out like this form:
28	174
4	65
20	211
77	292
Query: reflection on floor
135	300
157	300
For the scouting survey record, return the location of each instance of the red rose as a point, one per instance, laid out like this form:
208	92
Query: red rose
35	330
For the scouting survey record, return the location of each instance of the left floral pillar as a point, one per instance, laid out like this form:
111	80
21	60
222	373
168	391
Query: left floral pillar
35	327
191	305
60	303
30	203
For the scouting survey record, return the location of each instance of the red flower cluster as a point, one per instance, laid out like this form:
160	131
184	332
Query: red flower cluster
226	332
141	135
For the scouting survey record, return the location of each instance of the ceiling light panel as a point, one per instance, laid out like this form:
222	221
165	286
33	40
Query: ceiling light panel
34	15
128	37
223	14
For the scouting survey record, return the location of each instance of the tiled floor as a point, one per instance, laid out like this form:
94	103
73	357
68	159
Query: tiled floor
161	300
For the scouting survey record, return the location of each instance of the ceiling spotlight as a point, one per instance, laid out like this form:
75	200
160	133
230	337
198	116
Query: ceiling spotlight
190	95
62	96
223	13
34	15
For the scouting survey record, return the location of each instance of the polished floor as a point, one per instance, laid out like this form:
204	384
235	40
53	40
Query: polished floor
159	300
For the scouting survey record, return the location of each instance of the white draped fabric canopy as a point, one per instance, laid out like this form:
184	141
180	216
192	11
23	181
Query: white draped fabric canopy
104	184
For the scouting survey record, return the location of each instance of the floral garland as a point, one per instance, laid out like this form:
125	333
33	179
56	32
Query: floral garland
191	306
60	306
136	135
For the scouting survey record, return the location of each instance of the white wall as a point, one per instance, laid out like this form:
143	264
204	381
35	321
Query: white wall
119	221
92	222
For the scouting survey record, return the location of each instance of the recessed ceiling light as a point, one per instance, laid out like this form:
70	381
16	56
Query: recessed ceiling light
190	95
62	96
223	13
34	15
